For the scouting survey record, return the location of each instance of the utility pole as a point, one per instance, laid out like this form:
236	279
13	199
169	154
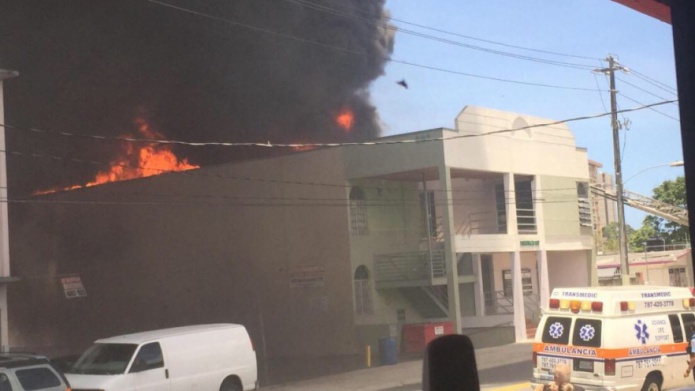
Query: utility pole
4	225
624	264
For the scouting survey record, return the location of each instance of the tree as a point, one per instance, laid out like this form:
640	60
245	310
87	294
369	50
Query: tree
611	236
671	192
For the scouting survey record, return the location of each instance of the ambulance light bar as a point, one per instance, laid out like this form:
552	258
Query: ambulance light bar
576	305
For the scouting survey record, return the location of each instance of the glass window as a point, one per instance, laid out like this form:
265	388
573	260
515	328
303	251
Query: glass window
584	204
676	328
557	330
5	384
104	359
149	357
526	282
37	378
501	204
358	212
688	324
428	212
587	332
363	295
525	215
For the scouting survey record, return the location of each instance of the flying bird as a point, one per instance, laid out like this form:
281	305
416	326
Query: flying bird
403	83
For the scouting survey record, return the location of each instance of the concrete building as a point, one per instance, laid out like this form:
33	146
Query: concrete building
670	267
603	210
318	252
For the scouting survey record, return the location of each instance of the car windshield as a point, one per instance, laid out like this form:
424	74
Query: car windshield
104	359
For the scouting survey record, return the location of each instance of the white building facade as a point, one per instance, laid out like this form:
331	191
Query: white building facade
508	210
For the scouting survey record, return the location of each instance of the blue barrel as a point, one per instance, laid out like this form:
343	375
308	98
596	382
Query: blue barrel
387	351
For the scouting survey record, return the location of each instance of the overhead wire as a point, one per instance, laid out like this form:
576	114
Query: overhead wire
268	144
352	8
403	62
664	86
333	11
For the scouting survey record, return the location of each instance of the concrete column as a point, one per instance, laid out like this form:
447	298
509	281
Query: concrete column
543	278
519	314
479	292
450	248
4	227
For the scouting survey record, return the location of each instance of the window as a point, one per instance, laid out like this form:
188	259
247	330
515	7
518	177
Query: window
525	215
587	332
37	378
149	357
526	282
5	384
429	213
676	328
358	212
584	204
556	330
104	358
676	276
363	294
501	204
688	323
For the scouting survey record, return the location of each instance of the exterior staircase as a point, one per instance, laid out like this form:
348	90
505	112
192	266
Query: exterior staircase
429	301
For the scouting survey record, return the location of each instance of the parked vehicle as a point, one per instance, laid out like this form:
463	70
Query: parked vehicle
30	372
616	338
203	357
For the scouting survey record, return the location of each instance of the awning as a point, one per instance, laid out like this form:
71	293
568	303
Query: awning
609	272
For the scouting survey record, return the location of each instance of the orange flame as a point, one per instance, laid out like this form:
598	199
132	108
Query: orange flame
345	119
136	162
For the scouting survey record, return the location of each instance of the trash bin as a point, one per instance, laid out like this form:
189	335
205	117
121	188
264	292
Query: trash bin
387	351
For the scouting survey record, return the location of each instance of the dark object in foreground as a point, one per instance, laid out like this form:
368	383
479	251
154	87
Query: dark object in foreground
449	365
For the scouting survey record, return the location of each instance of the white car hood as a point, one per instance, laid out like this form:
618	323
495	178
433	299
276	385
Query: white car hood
80	382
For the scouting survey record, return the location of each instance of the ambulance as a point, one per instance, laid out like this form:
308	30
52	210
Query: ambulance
616	338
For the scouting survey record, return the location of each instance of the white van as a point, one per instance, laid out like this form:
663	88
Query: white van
205	357
616	338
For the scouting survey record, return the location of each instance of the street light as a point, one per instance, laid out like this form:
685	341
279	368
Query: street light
677	163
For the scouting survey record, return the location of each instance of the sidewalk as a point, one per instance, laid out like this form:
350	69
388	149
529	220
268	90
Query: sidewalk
404	373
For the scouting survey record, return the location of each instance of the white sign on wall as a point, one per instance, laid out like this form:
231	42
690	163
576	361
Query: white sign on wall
72	286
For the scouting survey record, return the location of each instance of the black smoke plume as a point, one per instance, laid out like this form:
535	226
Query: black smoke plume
94	67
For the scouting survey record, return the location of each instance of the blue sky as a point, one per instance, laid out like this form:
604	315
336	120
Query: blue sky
588	28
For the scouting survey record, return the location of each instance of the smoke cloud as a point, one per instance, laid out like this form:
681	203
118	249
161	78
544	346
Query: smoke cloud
95	67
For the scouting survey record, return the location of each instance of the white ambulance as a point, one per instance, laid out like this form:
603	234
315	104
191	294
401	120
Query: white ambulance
616	338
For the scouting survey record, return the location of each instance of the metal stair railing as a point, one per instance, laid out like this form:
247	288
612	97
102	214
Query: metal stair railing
439	296
409	266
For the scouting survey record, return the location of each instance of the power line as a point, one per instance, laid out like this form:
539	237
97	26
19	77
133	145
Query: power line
641	89
665	86
317	145
655	84
362	54
333	11
433	68
651	108
352	8
254	28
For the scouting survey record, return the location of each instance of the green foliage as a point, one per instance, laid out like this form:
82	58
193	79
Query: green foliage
611	236
671	192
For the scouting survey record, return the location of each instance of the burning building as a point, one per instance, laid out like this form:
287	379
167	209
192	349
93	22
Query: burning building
317	252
